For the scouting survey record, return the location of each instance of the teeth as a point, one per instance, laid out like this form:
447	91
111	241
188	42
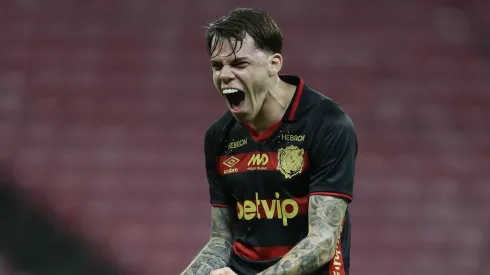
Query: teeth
229	91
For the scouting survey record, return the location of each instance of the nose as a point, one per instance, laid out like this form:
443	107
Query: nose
226	75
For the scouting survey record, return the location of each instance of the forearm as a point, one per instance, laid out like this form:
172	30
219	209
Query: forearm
318	248
214	255
307	256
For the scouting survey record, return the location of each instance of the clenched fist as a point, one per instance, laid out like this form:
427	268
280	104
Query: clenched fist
223	271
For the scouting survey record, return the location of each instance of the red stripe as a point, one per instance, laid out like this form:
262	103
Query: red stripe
336	266
258	137
260	253
219	205
297	98
252	161
332	194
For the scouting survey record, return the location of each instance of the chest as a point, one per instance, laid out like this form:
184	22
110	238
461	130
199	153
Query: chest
276	167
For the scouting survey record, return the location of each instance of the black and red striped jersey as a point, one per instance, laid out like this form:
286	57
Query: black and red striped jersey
266	178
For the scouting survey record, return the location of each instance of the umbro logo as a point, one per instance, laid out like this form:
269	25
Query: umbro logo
231	161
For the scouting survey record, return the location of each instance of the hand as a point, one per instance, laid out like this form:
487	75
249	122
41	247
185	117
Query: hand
223	271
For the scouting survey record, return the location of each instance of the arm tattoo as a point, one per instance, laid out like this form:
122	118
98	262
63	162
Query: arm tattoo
317	249
216	253
220	223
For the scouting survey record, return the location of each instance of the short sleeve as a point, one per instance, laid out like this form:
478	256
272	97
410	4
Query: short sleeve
332	157
218	195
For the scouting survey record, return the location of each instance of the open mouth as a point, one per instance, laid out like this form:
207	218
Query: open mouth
235	97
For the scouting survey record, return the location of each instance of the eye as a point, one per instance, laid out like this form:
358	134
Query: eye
216	66
241	65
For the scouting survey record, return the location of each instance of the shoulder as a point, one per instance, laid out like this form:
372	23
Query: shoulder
332	129
329	115
219	127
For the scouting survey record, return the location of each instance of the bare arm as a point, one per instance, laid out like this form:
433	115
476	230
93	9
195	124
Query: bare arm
216	253
317	249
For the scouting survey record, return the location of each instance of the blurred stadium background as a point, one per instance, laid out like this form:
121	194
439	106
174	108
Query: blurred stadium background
104	105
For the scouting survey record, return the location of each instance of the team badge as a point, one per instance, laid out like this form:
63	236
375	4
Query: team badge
290	161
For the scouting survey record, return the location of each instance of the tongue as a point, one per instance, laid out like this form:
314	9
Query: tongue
236	107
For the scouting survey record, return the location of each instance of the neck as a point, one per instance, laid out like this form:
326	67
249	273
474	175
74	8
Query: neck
275	105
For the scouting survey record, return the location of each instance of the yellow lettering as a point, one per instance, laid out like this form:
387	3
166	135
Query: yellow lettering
269	210
279	214
249	210
240	210
285	210
236	144
337	258
288	214
338	254
257	202
231	170
258	159
288	137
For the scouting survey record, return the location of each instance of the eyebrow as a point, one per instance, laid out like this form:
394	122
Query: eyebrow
239	59
236	60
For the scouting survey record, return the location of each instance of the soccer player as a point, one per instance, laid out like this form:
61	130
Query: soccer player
279	162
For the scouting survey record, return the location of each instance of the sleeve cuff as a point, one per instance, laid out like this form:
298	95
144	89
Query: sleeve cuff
333	194
219	205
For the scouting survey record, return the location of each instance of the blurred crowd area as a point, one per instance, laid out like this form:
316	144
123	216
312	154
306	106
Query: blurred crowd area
104	106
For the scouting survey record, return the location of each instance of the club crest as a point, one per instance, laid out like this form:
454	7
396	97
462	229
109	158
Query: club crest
290	161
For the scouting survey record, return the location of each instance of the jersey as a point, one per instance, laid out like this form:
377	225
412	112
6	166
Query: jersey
266	179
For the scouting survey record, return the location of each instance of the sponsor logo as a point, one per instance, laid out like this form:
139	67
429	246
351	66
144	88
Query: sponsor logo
258	162
290	161
230	162
337	263
269	209
230	171
237	144
289	137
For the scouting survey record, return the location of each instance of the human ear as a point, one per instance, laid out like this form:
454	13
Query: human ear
275	63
